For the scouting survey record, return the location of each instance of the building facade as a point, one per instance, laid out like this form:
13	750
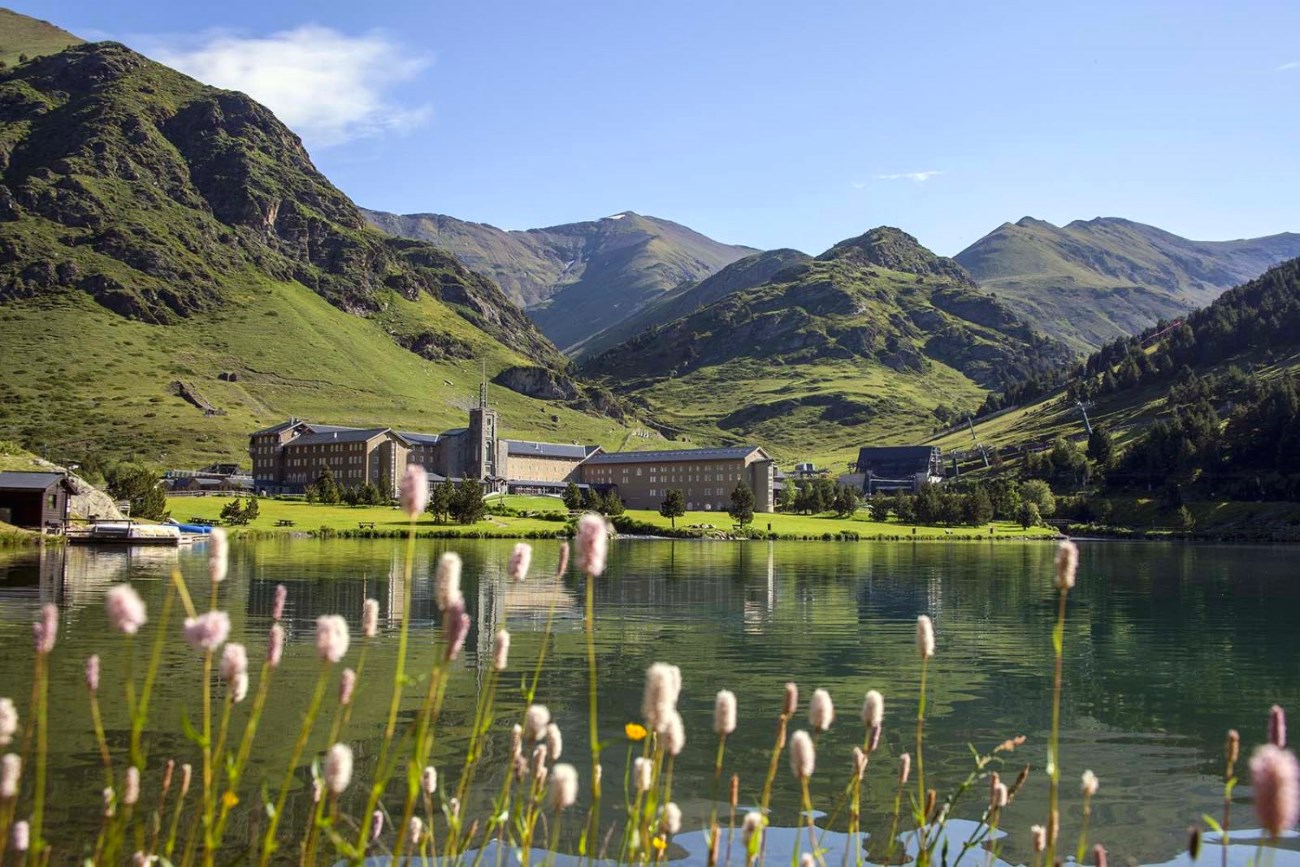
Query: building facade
894	468
706	477
34	500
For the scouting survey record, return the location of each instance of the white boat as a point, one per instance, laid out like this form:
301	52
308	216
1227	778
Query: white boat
127	533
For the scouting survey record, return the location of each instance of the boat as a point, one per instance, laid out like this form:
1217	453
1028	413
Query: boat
127	533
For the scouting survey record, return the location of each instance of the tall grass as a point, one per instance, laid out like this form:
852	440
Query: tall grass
153	814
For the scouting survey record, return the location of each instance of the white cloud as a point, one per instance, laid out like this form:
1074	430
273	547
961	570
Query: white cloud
919	177
1287	67
329	87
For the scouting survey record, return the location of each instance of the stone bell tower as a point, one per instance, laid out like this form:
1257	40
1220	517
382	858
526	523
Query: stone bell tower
484	447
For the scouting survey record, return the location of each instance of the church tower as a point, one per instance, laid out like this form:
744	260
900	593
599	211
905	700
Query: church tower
483	426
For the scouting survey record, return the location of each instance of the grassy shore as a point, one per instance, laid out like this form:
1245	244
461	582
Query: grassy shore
544	516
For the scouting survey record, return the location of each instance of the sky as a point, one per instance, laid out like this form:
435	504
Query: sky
772	124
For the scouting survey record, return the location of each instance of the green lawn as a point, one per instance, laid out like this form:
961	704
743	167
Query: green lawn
311	517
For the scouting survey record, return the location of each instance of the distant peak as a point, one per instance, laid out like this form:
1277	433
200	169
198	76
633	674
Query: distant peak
888	247
1032	222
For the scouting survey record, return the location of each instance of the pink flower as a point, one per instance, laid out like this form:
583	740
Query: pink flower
501	650
803	756
520	558
724	712
11	771
208	631
1067	563
347	684
125	608
20	836
338	768
370	618
8	721
331	637
593	542
92	672
131	787
415	830
275	645
821	710
413	493
455	628
447	582
46	630
187	773
376	824
1275	777
277	609
234	671
218	555
924	637
429	780
1277	726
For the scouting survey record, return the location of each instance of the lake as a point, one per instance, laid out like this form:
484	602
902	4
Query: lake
1167	646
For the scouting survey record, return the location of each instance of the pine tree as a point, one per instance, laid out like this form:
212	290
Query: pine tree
328	487
612	504
572	497
440	500
880	508
786	503
467	506
742	504
251	510
1029	516
673	506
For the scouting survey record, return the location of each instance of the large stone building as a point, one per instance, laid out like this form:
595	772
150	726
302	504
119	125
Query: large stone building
289	456
894	468
706	477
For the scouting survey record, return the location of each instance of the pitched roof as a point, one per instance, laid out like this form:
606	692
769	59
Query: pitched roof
921	453
545	450
671	455
29	481
421	439
340	435
277	428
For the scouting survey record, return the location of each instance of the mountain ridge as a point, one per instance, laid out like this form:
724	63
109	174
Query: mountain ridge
1091	281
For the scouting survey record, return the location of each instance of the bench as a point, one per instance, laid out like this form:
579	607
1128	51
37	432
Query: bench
365	525
284	522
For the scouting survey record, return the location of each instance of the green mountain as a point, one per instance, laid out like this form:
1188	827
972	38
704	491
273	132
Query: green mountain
24	38
1092	281
745	273
870	342
578	278
174	272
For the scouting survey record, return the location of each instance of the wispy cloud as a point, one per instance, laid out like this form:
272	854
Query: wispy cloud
1287	67
328	86
919	177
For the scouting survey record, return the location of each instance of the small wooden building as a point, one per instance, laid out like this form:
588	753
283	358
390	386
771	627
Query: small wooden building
34	500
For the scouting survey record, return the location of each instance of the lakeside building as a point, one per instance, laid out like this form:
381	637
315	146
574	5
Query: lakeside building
706	477
36	501
291	455
896	468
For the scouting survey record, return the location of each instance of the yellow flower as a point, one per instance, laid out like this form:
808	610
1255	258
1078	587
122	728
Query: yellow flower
229	800
659	843
635	731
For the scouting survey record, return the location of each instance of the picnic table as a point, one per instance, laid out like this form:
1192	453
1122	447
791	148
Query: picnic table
203	522
284	522
365	525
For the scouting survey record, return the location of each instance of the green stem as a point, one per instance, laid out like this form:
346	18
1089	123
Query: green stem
1053	741
922	850
273	823
37	848
140	712
593	834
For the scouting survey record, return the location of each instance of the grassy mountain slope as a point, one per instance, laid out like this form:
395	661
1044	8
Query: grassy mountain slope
155	230
745	273
860	345
1092	281
24	36
577	277
1254	328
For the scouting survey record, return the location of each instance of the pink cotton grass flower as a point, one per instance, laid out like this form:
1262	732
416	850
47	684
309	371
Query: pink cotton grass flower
218	555
415	830
564	786
331	637
1067	564
663	686
803	755
447	582
234	671
92	672
501	650
413	491
275	645
20	836
925	637
593	544
1277	727
131	786
208	631
338	768
429	780
370	618
347	685
8	721
126	610
455	625
11	773
821	711
520	559
376	825
724	712
277	607
1275	779
46	630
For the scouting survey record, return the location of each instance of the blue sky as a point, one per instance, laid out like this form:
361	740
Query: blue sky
768	123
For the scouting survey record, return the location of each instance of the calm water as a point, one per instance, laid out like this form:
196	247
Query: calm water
1168	646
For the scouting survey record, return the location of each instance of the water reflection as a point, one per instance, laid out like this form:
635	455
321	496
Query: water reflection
1167	647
